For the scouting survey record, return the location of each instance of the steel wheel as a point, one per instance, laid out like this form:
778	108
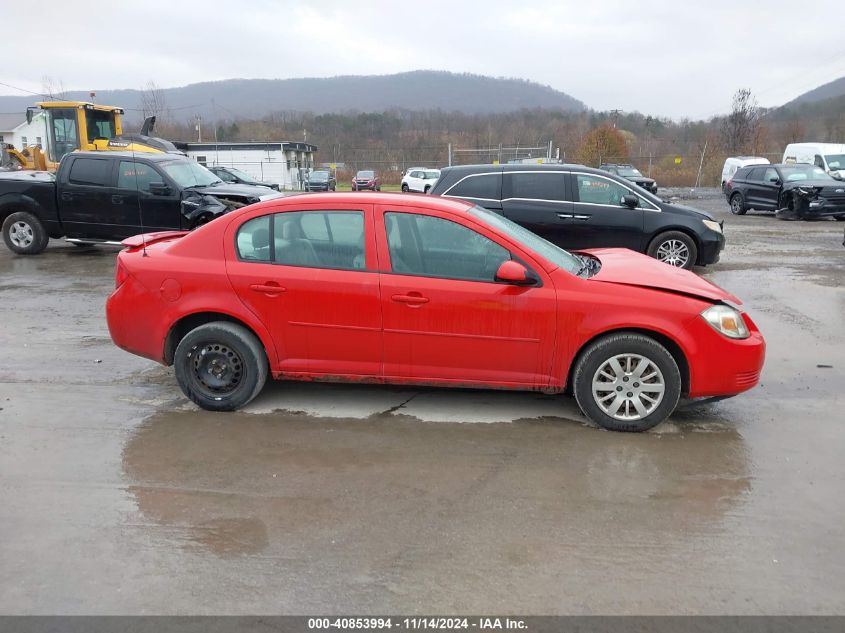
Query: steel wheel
628	387
674	253
217	369
21	234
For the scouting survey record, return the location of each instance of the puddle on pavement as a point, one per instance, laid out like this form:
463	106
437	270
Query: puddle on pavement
243	484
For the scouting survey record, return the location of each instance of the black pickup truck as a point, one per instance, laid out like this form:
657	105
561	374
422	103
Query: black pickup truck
104	197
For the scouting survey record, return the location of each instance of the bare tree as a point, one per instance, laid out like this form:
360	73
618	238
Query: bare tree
53	88
740	129
152	100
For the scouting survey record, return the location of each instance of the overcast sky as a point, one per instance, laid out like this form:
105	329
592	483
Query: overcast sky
672	58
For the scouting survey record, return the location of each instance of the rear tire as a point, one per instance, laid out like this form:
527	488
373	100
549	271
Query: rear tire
608	388
404	187
674	248
427	189
24	234
220	366
738	205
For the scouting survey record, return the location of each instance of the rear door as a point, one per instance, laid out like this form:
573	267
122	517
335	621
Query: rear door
755	196
540	201
85	199
599	219
310	275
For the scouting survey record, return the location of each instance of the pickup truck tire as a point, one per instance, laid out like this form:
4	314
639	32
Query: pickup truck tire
220	366
24	234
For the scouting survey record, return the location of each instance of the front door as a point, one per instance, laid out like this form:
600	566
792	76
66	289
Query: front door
310	276
148	211
446	318
600	219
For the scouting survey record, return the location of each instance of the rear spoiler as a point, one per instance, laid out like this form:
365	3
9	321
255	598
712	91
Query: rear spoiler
145	239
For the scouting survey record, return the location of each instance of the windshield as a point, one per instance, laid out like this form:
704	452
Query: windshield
366	174
240	174
187	173
629	171
835	161
319	175
554	254
793	173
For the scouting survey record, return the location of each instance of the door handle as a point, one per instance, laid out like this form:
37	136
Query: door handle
414	299
565	216
66	195
581	217
270	288
117	199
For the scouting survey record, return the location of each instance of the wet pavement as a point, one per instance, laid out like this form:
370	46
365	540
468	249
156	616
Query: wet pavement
118	496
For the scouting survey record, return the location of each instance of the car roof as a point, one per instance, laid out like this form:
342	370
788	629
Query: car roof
483	168
349	198
151	156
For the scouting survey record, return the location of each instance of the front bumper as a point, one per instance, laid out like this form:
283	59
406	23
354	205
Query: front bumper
710	248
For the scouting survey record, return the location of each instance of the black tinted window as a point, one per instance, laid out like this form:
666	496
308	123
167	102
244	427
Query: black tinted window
91	171
433	247
538	186
485	186
756	173
136	176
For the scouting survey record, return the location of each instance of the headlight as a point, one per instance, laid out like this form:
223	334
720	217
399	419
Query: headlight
726	320
712	225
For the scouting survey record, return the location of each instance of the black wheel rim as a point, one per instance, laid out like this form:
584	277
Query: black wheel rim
217	370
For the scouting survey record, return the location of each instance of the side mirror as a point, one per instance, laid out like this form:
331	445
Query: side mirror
159	189
775	180
630	200
514	273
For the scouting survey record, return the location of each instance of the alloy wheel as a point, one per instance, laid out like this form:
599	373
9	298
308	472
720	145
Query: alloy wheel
628	387
674	253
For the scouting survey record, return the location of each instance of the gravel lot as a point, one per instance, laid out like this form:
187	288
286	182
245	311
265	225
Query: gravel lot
119	496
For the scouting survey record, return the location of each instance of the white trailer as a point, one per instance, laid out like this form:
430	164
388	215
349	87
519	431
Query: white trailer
284	163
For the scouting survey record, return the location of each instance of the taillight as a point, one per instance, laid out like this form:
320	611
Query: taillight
120	274
729	183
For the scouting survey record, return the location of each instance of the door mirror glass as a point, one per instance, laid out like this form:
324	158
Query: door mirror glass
514	273
159	189
630	201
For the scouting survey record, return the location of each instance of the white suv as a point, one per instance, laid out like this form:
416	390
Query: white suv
420	179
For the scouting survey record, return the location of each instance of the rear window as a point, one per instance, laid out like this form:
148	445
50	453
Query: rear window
538	186
90	171
481	186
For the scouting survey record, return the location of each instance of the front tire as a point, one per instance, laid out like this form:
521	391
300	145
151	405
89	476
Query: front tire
427	189
24	234
674	248
738	205
627	382
839	218
220	366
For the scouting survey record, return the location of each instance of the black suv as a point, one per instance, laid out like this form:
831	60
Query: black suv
579	207
794	191
629	172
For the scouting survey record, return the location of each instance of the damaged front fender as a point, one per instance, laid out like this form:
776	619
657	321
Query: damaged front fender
199	208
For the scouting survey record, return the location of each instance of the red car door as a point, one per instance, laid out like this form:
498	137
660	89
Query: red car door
310	275
445	317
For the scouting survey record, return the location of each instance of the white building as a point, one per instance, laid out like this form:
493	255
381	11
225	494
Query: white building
16	132
284	163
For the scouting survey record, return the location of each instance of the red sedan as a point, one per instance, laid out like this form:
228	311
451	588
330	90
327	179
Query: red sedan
431	291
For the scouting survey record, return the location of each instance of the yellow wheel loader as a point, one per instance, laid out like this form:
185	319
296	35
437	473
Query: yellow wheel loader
79	125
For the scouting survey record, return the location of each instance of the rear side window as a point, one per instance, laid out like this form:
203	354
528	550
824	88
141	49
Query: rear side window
481	186
537	186
756	173
315	239
91	171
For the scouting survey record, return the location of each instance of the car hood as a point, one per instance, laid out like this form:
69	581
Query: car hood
622	266
685	210
245	191
639	179
824	184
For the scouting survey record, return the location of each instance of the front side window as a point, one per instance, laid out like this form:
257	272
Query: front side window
771	175
481	187
538	185
835	161
100	124
314	239
63	131
598	190
90	171
136	176
434	247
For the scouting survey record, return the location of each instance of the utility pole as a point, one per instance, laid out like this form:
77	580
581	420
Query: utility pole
199	129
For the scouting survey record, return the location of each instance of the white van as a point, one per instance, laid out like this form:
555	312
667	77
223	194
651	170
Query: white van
735	162
828	156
